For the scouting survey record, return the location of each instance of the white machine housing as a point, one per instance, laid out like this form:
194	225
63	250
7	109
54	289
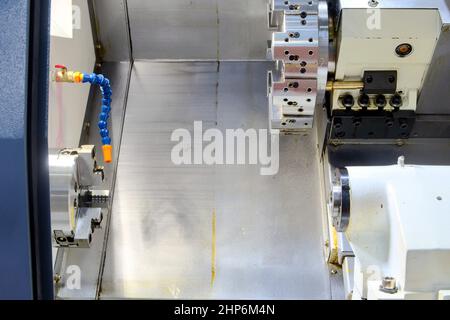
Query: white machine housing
367	41
399	228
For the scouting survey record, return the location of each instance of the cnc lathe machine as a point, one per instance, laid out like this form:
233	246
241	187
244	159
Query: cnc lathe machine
225	149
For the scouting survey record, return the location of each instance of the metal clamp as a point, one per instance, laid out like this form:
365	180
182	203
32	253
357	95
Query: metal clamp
76	209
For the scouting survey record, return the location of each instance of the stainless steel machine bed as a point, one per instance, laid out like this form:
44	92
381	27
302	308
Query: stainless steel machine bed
210	232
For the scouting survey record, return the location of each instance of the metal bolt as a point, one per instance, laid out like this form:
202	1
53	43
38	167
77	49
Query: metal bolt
380	101
389	285
364	101
348	101
396	101
333	271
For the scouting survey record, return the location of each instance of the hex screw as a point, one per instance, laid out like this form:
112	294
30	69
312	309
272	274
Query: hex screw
348	101
380	101
389	285
396	101
364	101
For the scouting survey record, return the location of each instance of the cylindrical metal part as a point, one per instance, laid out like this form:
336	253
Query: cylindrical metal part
345	85
340	200
63	192
389	285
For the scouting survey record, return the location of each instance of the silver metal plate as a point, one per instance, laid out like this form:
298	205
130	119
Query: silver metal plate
112	30
211	232
199	29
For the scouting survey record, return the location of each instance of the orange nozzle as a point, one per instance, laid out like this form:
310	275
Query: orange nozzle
107	153
78	77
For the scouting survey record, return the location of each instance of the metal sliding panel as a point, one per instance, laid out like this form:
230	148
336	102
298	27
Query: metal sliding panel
434	99
111	30
199	29
176	29
210	231
243	31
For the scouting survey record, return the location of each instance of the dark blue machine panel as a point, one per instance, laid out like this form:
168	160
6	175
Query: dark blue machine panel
15	259
25	254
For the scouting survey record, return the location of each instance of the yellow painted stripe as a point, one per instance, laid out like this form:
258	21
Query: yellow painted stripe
335	238
72	217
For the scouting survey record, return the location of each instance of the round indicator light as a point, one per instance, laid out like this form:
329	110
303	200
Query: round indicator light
404	50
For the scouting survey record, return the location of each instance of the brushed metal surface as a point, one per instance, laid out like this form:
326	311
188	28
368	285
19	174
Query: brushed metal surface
243	29
199	29
433	98
268	230
111	30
